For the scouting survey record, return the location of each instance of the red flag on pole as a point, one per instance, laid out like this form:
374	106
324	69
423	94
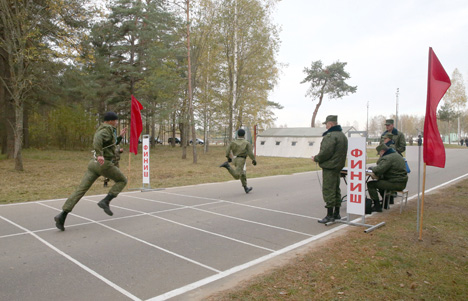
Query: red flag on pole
136	125
437	84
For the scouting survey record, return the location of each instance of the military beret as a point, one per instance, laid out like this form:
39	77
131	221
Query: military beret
110	116
333	118
389	121
241	133
381	147
388	135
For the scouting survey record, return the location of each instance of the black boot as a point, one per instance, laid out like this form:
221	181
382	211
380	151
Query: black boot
392	200
377	207
247	189
336	213
60	220
225	165
329	217
386	202
104	204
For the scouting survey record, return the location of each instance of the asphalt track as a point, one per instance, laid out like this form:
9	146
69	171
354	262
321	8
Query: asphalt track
168	243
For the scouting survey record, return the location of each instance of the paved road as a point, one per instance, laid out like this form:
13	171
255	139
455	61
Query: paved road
163	244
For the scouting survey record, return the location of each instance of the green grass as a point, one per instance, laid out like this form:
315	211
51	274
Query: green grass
51	174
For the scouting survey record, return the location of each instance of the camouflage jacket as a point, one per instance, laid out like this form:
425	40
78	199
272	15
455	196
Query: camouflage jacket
333	149
240	148
399	138
104	141
391	167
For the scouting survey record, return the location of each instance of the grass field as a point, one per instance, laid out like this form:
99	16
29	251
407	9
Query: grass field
53	174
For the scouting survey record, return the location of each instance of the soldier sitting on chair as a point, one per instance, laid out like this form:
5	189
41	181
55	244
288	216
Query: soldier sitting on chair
392	174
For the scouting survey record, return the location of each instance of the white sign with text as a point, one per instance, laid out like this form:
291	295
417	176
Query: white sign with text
356	177
146	159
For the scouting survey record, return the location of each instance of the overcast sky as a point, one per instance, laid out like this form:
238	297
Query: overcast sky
385	45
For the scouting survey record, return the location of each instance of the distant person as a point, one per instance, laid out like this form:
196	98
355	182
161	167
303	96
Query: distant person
391	171
398	137
101	165
331	158
240	148
461	142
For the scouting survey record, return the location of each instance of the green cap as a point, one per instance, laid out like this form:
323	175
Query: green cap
382	146
388	135
333	118
389	121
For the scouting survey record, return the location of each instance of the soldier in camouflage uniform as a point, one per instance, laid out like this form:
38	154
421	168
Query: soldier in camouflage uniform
102	165
388	140
398	137
240	148
392	174
331	159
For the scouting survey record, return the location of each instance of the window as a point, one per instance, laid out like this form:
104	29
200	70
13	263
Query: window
262	142
278	142
311	143
294	143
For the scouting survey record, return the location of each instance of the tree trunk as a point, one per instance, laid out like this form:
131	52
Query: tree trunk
18	135
322	92
189	63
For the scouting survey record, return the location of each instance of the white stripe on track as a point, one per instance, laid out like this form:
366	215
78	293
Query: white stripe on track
84	267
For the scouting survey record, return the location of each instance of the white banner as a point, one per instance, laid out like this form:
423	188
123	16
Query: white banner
356	178
146	159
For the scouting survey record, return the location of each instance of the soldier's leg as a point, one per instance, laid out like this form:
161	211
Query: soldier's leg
336	213
238	168
86	182
374	195
112	172
329	194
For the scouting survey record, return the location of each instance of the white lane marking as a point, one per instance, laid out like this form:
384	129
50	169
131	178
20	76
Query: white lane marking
245	205
237	218
194	228
84	267
144	242
244	266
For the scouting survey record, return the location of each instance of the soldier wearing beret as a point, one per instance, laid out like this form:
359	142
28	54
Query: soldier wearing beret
398	136
101	165
391	171
240	148
331	158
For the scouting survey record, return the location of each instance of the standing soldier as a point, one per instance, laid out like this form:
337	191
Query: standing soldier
331	159
398	137
240	148
101	165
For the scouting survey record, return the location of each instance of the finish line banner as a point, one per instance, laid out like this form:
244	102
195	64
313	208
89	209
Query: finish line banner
146	159
356	178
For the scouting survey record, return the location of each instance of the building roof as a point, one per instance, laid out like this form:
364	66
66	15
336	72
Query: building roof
298	132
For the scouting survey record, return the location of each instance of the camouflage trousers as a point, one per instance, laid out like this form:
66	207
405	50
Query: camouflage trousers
331	188
95	170
381	186
237	171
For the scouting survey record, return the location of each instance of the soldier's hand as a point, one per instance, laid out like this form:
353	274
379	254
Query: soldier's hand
254	162
229	160
100	159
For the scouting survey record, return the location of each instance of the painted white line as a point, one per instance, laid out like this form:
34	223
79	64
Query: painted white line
244	266
152	214
233	217
145	242
245	205
84	267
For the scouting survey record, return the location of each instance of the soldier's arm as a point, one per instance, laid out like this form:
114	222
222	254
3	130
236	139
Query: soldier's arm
250	151
327	148
382	167
402	143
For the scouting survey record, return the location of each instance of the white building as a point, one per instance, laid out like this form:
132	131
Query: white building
292	142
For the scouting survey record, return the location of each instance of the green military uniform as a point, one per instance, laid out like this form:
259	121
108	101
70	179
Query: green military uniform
331	159
117	155
240	148
391	170
104	145
398	138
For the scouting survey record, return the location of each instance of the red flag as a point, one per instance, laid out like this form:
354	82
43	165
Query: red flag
136	125
437	84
